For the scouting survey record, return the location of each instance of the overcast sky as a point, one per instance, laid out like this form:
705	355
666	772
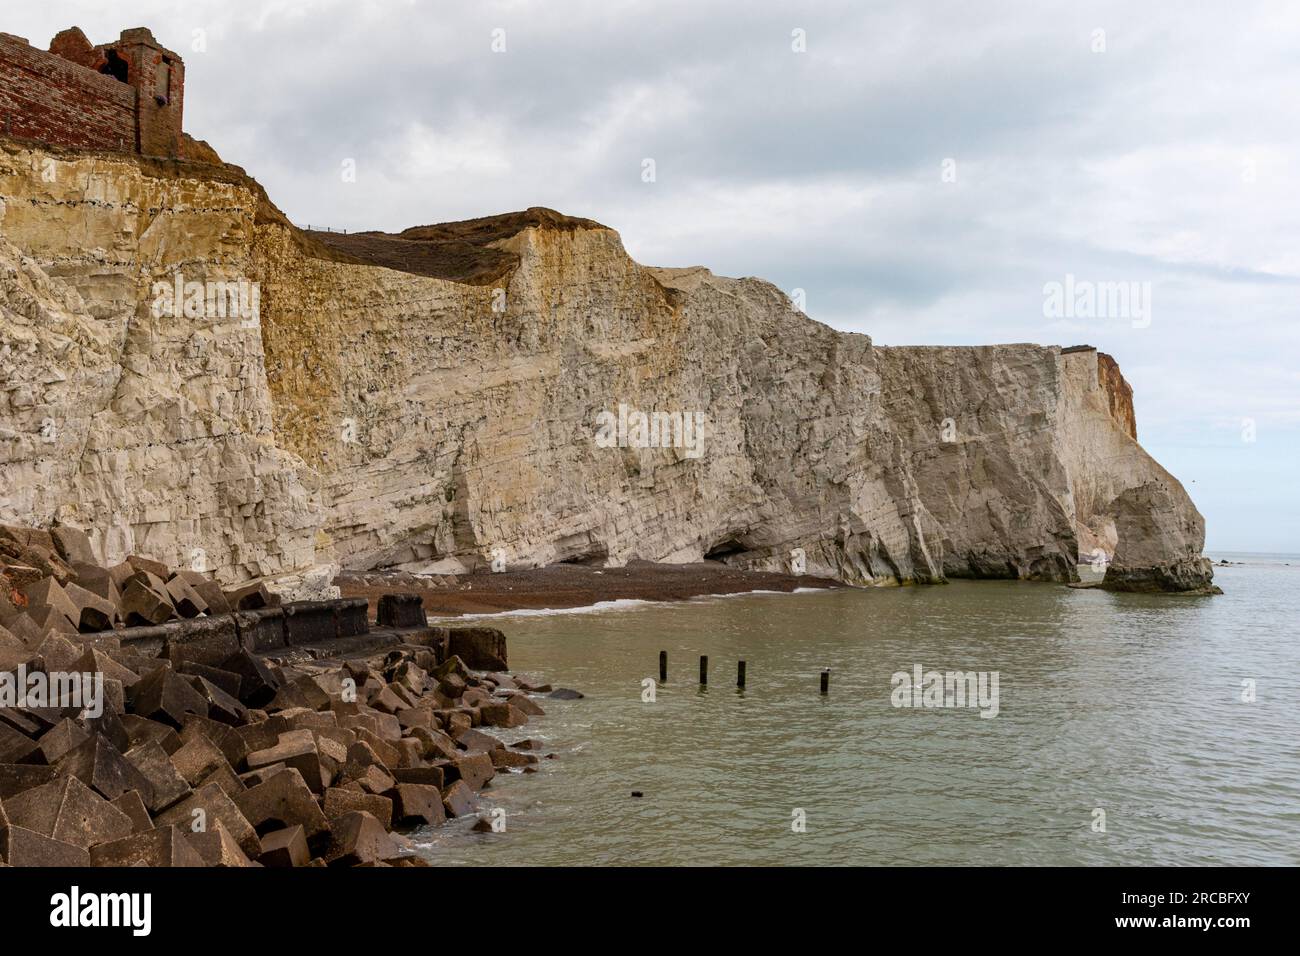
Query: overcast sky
922	168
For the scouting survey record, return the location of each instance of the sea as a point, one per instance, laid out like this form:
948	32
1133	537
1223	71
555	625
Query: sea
984	723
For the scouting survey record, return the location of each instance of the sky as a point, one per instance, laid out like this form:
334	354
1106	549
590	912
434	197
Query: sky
925	171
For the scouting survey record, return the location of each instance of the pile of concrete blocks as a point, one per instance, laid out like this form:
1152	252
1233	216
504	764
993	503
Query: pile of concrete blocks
209	727
51	582
247	762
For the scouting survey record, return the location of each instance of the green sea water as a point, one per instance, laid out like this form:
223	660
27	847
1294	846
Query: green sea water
1121	734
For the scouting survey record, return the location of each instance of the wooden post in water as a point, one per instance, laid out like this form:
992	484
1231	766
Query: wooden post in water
704	669
826	680
740	674
663	667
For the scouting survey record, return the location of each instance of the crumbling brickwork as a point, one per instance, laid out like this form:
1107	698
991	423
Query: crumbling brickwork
127	95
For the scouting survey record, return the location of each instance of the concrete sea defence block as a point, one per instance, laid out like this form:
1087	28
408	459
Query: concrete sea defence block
310	622
481	648
261	629
353	616
401	611
203	640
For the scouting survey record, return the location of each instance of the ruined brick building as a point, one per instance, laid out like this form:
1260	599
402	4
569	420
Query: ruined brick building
128	95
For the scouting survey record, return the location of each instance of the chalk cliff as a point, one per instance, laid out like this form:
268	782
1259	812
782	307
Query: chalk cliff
444	413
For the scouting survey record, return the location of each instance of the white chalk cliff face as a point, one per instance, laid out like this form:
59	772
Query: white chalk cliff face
375	417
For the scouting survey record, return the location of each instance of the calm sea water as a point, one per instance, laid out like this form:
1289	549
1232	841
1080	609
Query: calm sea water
1129	704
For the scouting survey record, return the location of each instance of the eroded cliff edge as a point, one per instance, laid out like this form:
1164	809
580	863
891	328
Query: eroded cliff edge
445	415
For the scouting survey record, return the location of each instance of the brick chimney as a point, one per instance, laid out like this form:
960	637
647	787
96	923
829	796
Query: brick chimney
158	76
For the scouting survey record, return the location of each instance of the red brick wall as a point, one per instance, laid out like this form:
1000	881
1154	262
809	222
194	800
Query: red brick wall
45	97
158	124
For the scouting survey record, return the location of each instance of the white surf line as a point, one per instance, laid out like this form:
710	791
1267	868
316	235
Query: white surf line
618	604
